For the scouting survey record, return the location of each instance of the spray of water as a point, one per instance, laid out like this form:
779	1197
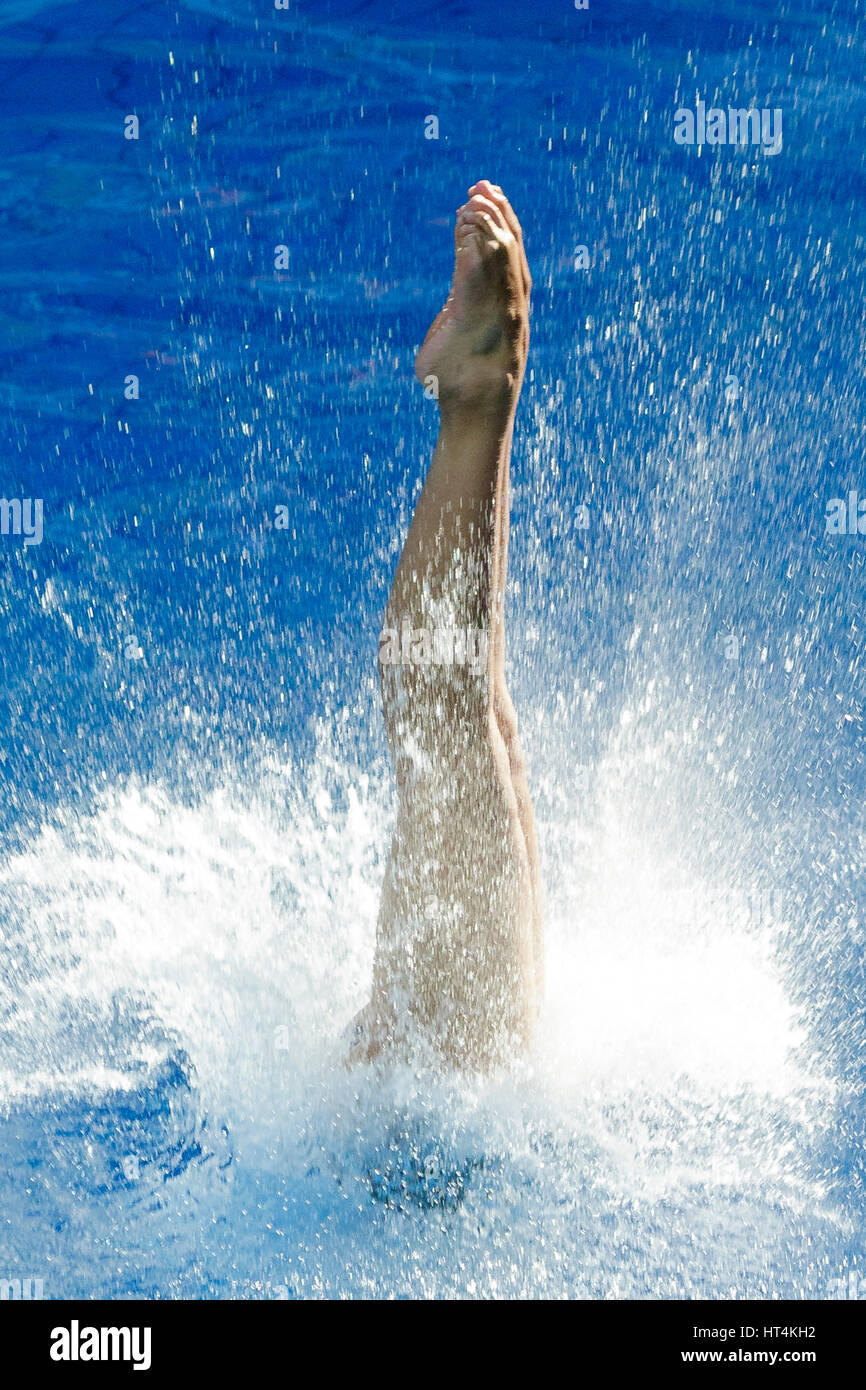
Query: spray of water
183	976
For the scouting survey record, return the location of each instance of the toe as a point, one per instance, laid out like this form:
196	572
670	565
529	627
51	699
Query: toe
480	220
493	193
480	203
468	225
497	238
486	187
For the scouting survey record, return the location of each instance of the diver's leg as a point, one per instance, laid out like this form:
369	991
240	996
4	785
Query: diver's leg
456	948
506	718
506	715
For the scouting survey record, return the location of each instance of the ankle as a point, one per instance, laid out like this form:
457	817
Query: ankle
480	401
486	425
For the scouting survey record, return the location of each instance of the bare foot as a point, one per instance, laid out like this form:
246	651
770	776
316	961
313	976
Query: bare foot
476	346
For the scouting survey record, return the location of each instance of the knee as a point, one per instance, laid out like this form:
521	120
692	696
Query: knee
432	712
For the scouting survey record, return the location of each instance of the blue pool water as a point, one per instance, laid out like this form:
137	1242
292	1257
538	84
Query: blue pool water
196	801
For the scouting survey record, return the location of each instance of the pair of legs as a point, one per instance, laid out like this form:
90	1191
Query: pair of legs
458	967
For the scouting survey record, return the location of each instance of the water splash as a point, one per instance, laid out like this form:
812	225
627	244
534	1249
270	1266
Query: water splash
185	973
